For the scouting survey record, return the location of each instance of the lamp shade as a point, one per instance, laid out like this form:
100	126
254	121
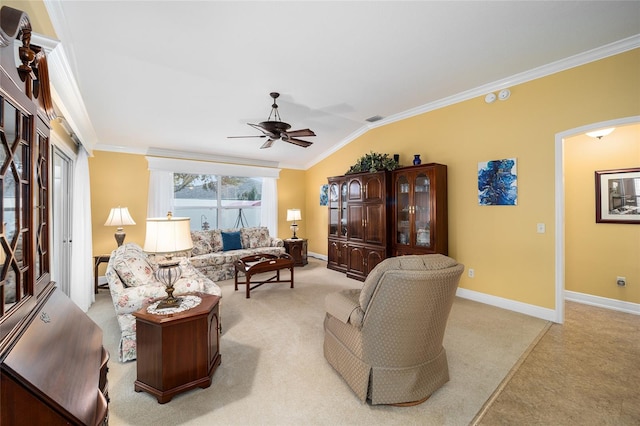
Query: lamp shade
168	235
119	216
293	215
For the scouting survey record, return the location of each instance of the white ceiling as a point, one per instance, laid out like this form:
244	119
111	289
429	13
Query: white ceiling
184	75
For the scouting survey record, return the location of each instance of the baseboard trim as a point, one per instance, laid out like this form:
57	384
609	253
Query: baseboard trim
317	256
511	305
602	302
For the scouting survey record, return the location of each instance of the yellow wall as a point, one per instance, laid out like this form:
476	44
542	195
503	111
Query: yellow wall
596	253
117	180
510	259
292	194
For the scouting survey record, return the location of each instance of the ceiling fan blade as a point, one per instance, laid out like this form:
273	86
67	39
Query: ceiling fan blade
267	144
255	136
298	142
301	132
262	129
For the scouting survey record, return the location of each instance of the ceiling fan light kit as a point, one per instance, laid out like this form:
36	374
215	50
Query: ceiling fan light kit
274	128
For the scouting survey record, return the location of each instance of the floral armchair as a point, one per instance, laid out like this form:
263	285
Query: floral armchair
130	274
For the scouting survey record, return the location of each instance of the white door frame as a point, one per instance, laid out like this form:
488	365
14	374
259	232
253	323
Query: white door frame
58	146
560	199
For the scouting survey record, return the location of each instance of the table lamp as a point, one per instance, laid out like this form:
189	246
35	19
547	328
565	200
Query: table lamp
293	215
166	236
119	216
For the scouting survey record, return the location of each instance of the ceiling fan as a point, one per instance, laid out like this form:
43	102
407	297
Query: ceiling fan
275	129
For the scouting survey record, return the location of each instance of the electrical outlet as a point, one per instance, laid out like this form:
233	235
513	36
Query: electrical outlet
541	228
472	273
621	281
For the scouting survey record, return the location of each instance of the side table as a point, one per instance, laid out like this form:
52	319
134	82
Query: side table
297	248
97	260
177	352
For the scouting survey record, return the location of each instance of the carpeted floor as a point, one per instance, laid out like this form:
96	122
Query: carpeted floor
273	371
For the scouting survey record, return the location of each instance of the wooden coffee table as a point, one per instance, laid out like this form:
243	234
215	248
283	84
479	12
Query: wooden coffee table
259	263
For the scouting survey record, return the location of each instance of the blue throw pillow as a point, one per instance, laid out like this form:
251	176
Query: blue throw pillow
231	241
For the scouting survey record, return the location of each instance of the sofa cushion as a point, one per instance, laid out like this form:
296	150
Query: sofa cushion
231	241
255	237
216	240
201	242
132	265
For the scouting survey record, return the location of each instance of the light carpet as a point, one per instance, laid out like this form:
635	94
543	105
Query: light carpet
273	371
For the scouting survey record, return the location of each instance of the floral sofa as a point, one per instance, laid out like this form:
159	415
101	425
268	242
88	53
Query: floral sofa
214	251
130	274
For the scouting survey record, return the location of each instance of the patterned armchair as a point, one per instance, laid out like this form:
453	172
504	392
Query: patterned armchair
386	339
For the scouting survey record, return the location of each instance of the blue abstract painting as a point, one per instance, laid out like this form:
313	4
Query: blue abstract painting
324	195
498	183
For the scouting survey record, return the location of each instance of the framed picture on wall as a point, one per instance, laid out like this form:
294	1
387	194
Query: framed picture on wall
618	196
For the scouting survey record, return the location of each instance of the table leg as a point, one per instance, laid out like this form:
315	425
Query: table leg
96	264
291	270
248	277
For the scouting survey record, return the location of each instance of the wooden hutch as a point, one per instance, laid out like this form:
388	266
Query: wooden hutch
376	215
53	367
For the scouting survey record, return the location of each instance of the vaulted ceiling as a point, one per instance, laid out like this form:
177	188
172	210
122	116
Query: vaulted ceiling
179	75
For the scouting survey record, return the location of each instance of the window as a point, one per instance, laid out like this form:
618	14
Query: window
213	201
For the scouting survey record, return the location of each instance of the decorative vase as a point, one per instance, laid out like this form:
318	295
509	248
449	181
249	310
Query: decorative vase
416	159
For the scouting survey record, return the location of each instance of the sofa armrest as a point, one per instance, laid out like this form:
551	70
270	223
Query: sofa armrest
276	242
344	306
127	300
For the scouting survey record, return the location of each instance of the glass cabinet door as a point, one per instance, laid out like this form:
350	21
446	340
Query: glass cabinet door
343	209
403	211
422	210
334	209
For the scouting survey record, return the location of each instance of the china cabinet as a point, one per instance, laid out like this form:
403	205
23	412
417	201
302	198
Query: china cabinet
358	232
419	210
376	215
53	367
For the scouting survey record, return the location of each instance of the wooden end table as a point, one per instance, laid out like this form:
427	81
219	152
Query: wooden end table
177	352
97	260
297	248
259	263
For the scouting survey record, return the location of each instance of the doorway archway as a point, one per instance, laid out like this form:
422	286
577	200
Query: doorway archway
560	204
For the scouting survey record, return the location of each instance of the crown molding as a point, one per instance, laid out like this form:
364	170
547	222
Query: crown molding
592	55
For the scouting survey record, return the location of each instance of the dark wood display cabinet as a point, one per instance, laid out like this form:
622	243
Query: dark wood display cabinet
53	367
358	231
419	210
376	215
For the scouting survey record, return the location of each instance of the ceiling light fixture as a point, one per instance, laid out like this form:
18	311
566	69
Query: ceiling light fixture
599	134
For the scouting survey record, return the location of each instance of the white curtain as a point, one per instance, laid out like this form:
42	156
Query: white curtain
81	289
269	205
160	193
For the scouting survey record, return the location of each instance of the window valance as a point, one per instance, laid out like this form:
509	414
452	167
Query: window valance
209	168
